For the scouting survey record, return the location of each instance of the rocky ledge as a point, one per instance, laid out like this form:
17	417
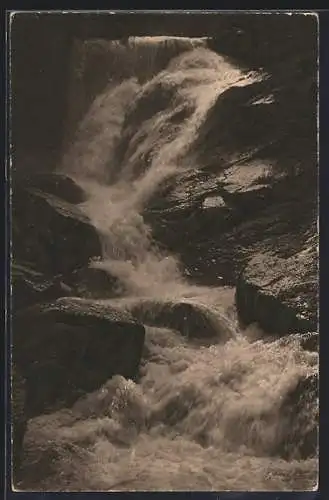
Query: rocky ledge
71	346
280	294
51	234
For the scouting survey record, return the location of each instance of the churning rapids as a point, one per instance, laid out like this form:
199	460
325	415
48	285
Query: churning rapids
201	417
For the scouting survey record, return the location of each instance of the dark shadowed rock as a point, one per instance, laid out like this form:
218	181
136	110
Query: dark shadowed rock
280	294
71	346
30	287
52	235
310	341
58	184
93	282
190	319
300	409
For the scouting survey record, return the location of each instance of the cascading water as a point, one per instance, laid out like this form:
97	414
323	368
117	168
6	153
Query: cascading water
140	135
202	417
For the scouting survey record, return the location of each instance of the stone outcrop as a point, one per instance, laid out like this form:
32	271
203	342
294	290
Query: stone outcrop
31	287
52	235
69	347
93	282
54	183
300	409
280	294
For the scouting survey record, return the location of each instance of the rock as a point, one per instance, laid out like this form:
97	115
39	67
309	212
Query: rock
53	236
310	341
300	411
19	419
57	184
280	294
262	165
93	282
70	347
192	320
30	287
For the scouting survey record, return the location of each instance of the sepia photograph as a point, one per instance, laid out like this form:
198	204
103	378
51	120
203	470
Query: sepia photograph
164	251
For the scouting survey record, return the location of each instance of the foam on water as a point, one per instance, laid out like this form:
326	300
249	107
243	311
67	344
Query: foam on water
201	418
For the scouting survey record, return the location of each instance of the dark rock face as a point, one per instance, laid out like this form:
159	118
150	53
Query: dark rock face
54	236
262	165
191	320
300	409
39	61
57	184
72	346
310	341
280	294
31	287
92	282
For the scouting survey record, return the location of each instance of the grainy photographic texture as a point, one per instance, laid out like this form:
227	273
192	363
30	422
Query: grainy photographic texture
165	251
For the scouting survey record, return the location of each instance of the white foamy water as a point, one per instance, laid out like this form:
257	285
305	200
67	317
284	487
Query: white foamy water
202	417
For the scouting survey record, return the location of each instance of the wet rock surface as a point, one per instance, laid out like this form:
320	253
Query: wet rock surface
298	407
192	320
55	183
93	282
50	234
71	346
32	287
280	294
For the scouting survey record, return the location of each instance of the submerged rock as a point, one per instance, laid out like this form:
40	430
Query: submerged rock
70	347
190	319
52	235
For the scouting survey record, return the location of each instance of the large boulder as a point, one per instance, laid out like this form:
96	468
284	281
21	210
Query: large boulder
192	320
280	294
71	346
53	236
